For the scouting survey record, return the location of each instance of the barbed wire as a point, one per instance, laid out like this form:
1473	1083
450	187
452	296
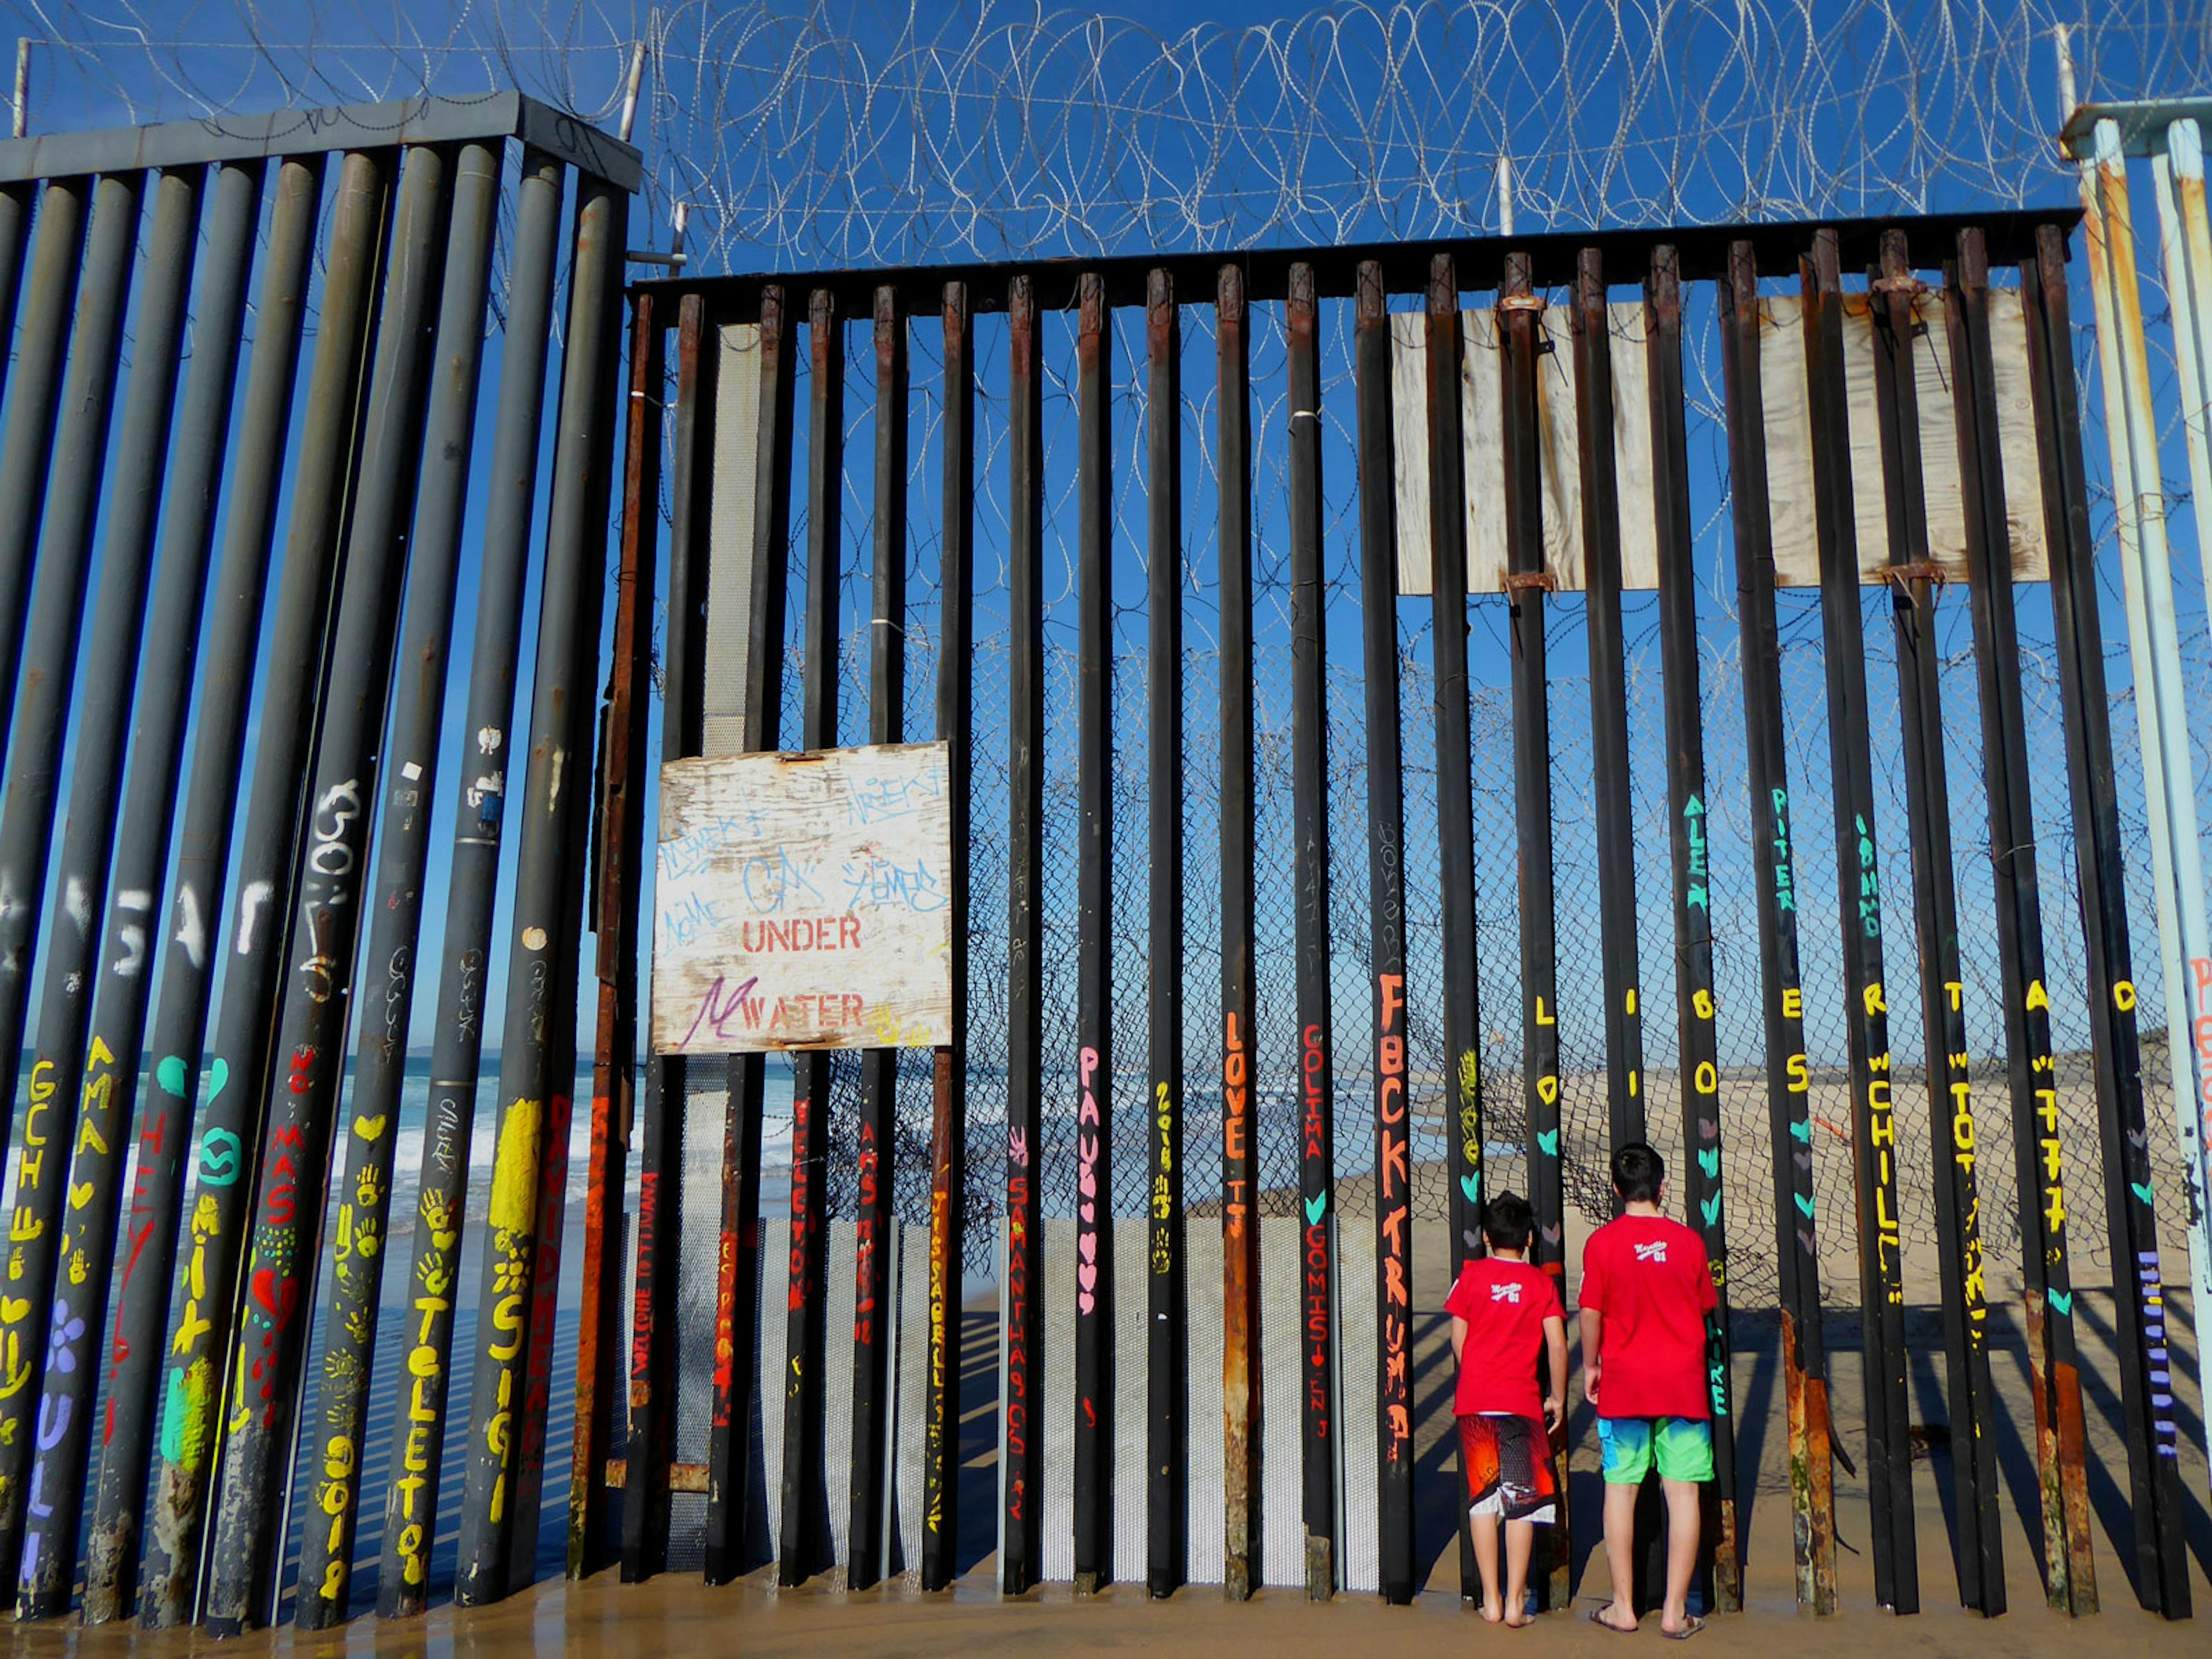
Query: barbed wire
856	131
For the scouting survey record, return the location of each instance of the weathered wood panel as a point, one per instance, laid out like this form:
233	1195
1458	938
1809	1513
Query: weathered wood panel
802	901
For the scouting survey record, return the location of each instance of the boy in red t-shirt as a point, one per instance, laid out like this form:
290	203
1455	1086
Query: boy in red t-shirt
1506	1313
1646	1290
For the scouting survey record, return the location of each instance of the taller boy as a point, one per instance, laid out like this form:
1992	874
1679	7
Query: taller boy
1646	1290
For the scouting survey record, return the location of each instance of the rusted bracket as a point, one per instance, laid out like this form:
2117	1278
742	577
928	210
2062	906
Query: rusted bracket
1513	583
1520	302
1919	570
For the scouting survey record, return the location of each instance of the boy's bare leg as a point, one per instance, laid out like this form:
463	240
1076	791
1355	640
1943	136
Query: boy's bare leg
1520	1541
1620	1555
1486	1557
1683	1520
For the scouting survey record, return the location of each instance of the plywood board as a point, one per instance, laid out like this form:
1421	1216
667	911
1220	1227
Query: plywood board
1483	450
1789	441
802	902
1789	438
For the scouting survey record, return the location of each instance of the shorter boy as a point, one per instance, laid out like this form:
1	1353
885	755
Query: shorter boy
1506	1313
1646	1290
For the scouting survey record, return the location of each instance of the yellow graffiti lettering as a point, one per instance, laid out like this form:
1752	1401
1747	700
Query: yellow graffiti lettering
1793	1003
2123	995
1874	1004
2037	997
1801	1079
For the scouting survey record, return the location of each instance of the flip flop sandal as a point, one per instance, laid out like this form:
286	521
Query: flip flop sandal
1597	1617
1691	1626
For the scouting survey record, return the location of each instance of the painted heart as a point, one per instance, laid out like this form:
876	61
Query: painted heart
169	1073
1550	1235
276	1301
1805	1240
1086	1276
1473	1243
2061	1302
1802	1160
1711	1207
2138	1138
1083	1304
1710	1162
1802	1132
1707	1130
1548	1089
1549	1140
2141	1189
1804	1206
445	1242
80	1194
370	1128
1317	1208
1086	1246
1086	1213
1472	1186
14	1310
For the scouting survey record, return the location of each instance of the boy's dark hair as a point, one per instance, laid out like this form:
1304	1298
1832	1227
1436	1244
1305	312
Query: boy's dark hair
1508	1222
1637	1172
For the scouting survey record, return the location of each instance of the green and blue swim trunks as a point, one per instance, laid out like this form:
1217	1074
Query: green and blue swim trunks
1681	1446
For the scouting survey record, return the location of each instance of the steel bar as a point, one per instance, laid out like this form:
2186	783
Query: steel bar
618	834
1094	1427
60	514
2046	1268
1616	848
804	1549
1462	1017
45	674
1698	1067
15	214
1167	1496
268	856
2161	699
1866	1015
165	1136
533	1095
42	342
272	1321
1309	829
741	1125
872	1323
1021	1542
2161	1580
118	616
621	812
1240	1231
99	1040
410	764
579	859
948	1138
1385	875
1519	339
480	795
1788	1082
1978	1547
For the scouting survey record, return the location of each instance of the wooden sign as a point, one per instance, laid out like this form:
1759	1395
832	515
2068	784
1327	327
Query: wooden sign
803	901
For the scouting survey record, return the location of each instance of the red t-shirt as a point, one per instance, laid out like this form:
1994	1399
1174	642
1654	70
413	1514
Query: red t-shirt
1505	1304
1649	1278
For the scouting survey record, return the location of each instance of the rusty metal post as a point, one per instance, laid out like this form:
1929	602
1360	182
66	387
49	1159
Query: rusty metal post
948	1132
1310	815
1804	1354
1386	873
1866	1012
1240	1231
2046	1266
1167	1485
872	1319
618	834
1021	1536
